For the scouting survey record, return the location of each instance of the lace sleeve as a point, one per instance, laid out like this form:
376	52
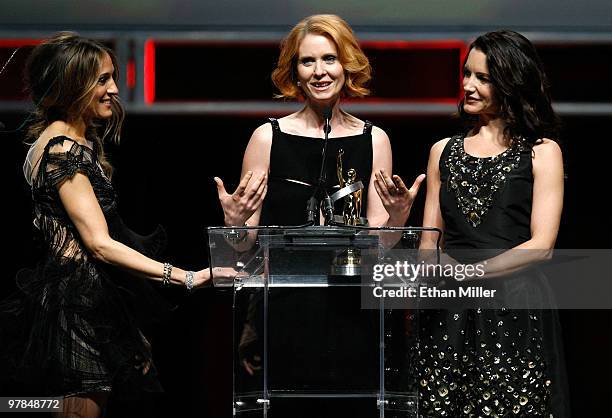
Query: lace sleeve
63	158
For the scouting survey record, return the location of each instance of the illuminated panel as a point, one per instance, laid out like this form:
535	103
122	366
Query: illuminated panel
130	74
11	79
149	71
213	71
178	71
416	71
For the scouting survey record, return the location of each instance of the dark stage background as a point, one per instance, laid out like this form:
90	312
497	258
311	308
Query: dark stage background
164	170
195	79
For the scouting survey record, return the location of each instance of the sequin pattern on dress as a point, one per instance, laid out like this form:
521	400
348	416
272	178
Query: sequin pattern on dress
476	180
496	369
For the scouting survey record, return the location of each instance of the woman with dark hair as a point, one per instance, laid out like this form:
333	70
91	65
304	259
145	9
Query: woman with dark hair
320	62
498	186
74	327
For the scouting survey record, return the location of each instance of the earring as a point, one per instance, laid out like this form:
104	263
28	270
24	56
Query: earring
299	84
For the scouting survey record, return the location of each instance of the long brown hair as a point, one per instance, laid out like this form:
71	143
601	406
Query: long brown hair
61	74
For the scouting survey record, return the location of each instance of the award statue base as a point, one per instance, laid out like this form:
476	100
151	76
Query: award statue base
347	263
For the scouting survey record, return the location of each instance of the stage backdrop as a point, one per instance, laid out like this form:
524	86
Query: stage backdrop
415	14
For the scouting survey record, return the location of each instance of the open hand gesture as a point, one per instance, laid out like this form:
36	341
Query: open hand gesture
246	199
395	196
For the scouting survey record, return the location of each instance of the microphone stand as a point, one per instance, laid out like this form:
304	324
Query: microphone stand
326	203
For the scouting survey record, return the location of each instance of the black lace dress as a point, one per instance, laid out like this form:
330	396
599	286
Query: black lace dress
490	362
75	324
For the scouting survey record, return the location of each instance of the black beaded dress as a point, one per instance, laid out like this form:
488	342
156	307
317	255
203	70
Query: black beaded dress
76	325
490	362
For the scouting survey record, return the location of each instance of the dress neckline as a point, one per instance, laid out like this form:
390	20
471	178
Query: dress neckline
367	129
488	158
333	138
56	137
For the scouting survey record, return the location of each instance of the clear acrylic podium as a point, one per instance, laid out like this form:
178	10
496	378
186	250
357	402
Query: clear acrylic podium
303	343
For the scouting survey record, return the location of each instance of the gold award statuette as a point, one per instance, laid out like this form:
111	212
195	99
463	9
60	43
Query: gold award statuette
351	190
348	262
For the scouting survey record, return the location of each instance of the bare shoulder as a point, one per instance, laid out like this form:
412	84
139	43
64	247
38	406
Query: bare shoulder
546	155
262	135
59	129
257	153
438	147
547	159
379	136
291	123
434	156
546	148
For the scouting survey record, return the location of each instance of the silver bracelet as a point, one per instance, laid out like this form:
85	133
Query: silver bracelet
166	275
236	237
189	280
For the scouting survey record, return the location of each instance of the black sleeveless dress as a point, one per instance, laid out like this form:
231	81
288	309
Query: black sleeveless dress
318	337
490	362
295	163
75	324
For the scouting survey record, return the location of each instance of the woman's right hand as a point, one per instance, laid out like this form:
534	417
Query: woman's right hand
239	206
203	277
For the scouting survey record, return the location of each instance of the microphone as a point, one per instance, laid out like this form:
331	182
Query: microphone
312	210
312	206
327	112
326	204
326	129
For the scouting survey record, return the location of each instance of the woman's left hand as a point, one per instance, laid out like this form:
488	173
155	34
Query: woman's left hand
395	196
239	206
